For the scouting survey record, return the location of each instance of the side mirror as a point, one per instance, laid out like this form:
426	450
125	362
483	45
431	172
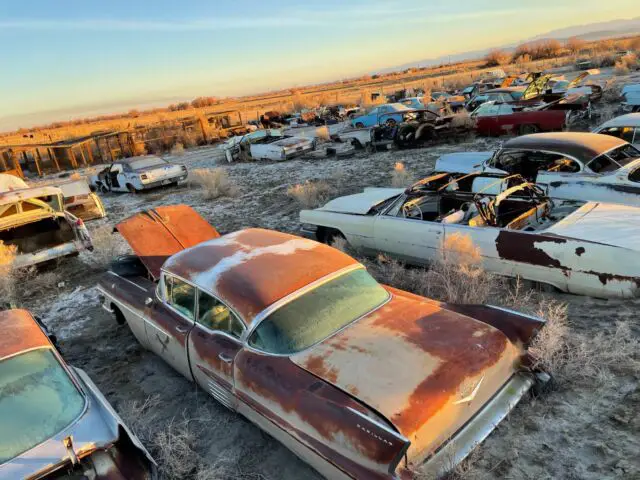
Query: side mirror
148	302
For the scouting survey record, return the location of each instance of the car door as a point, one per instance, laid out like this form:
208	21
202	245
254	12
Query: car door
409	239
168	320
115	177
214	343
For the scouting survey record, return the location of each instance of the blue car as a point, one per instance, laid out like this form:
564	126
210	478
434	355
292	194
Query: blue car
382	114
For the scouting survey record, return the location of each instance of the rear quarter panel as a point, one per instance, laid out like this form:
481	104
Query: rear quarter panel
357	229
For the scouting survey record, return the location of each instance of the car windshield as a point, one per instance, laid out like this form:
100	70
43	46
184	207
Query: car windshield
318	314
37	401
615	159
146	163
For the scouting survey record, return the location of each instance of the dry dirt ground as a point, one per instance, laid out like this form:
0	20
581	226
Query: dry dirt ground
587	429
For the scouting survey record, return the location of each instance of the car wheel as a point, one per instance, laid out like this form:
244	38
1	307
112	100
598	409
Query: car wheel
390	123
529	129
359	125
406	136
103	188
118	315
131	188
332	235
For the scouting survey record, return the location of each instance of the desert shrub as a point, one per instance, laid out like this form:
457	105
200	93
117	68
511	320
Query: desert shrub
498	57
106	247
177	149
213	182
310	194
604	60
462	120
621	68
322	133
75	176
401	177
8	284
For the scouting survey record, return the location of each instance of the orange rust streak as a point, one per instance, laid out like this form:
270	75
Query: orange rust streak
444	335
19	332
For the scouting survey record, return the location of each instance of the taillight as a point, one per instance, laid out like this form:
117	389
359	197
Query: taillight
143	176
79	222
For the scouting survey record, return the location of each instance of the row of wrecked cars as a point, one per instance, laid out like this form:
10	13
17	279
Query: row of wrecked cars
297	336
46	222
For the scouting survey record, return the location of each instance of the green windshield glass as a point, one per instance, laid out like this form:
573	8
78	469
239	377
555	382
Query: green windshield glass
37	401
319	313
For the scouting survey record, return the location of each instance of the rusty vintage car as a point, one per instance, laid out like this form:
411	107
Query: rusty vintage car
358	379
54	422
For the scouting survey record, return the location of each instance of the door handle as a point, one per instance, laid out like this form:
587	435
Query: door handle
181	330
225	358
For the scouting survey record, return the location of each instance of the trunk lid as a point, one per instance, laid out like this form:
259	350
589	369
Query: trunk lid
607	223
361	203
157	234
428	370
160	173
462	162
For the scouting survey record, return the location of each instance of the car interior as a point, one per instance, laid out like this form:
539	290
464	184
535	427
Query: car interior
502	203
528	163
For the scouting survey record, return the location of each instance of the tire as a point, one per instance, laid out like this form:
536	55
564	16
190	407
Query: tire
117	314
359	125
528	129
390	123
406	136
331	235
131	188
103	188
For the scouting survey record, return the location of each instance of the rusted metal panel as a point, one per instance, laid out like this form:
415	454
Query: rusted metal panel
316	414
416	363
19	332
156	234
252	269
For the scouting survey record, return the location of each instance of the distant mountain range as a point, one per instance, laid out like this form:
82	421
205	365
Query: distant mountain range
590	32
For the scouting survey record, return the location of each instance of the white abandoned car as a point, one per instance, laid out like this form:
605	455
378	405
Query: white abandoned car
626	127
138	173
585	248
267	145
34	222
566	165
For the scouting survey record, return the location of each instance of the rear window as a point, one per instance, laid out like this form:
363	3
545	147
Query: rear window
613	160
318	314
37	401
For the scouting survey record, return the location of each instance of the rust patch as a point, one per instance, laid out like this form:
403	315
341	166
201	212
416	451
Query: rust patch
522	248
580	251
20	332
608	277
312	409
316	364
445	335
155	235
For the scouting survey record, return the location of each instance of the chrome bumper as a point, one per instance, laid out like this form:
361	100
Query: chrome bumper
478	428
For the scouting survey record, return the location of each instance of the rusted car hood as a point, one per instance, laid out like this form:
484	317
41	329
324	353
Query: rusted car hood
156	234
607	223
425	368
361	203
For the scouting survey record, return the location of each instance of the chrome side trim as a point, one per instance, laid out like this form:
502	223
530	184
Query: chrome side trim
520	314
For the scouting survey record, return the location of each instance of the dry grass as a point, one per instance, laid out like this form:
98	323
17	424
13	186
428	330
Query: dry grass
106	247
175	444
310	194
322	133
621	68
75	176
462	120
177	149
401	177
213	182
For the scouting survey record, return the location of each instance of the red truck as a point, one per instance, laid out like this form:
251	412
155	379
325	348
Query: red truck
495	119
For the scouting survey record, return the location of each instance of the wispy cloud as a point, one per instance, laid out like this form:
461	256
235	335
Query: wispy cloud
380	15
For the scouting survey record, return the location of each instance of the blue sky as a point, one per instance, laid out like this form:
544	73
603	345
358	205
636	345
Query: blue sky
78	57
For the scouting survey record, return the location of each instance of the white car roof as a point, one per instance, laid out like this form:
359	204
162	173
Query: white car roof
628	120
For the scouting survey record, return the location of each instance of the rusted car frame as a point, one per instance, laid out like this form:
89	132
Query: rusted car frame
88	438
215	311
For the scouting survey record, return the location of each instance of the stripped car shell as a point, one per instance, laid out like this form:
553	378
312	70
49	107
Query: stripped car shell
81	201
95	443
137	174
586	248
269	144
567	165
33	220
328	401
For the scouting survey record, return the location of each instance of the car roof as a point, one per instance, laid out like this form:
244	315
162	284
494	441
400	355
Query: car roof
252	269
20	332
582	146
504	90
628	120
12	196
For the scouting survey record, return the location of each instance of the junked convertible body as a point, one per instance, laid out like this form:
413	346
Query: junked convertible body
586	248
33	220
567	165
55	422
300	339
